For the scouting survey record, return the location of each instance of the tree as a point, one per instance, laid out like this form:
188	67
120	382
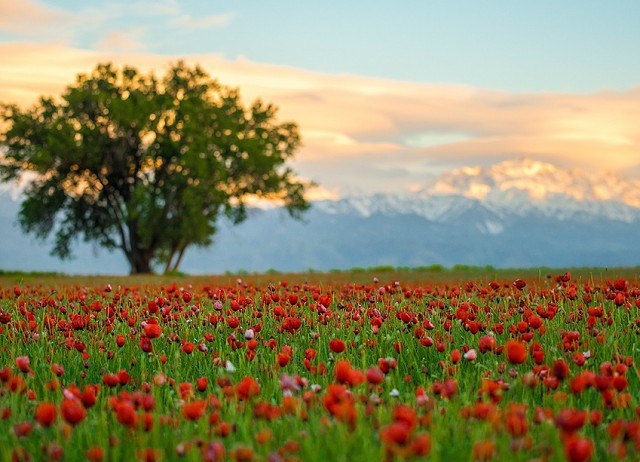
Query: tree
144	164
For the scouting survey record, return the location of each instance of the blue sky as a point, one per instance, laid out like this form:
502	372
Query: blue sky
574	46
386	93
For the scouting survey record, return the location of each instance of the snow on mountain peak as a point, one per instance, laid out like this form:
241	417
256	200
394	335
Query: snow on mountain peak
539	181
513	188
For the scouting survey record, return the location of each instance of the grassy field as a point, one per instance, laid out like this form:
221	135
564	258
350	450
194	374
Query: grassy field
418	275
385	364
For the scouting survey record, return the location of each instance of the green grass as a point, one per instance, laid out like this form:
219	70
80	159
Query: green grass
432	294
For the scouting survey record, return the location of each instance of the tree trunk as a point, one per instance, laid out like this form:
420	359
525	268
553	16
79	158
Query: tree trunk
140	262
167	267
141	266
179	260
138	256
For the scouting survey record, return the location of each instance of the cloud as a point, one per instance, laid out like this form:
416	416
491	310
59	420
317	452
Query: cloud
109	26
145	8
130	40
29	18
214	20
381	134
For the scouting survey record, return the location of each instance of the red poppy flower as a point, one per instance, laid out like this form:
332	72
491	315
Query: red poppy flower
72	411
23	363
266	410
145	344
484	450
88	396
22	429
282	359
126	413
374	375
337	345
519	284
342	370
123	377
345	374
620	383
406	415
188	347
578	449
201	383
570	420
45	414
340	403
516	423
421	445
111	380
194	410
396	433
152	330
516	352
186	389
57	369
560	369
247	388
95	454
486	343
148	455
596	417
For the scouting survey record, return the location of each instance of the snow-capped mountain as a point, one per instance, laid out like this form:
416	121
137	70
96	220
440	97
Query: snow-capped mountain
538	180
522	188
512	214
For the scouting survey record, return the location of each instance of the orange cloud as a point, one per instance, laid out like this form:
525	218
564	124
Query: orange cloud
28	17
381	133
124	40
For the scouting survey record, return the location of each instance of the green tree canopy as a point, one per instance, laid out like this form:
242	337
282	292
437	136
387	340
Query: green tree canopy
145	164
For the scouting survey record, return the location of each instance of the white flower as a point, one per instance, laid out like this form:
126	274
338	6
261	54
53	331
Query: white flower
471	355
394	393
288	383
230	368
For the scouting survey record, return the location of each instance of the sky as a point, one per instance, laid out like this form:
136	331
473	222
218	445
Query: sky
387	94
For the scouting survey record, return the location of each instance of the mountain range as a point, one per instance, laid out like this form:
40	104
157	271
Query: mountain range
516	213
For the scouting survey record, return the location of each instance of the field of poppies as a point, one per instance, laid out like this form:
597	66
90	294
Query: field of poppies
311	368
